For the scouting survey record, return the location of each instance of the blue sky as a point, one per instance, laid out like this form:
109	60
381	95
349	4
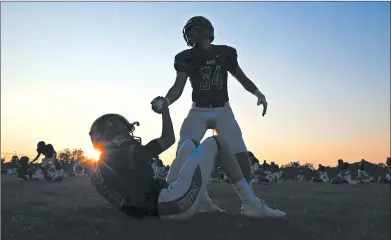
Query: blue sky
324	68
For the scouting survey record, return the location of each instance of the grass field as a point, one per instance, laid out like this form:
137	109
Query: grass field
71	209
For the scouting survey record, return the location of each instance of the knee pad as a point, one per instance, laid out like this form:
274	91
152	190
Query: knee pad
220	141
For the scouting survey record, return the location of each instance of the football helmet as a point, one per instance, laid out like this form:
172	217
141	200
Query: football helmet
106	128
197	29
41	144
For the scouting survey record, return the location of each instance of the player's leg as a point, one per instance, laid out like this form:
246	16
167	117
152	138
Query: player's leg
228	128
193	127
44	165
338	179
183	196
187	148
252	206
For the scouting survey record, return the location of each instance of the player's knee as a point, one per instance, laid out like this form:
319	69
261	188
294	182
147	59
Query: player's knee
186	142
189	144
217	141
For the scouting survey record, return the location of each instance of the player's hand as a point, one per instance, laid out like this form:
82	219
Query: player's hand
262	100
159	105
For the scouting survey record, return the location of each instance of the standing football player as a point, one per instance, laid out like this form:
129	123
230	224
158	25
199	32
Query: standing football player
207	66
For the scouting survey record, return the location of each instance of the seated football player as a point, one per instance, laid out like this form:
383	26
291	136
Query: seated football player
18	166
339	178
254	163
125	178
274	173
269	172
362	175
278	173
323	176
345	176
300	176
24	168
387	178
265	166
15	164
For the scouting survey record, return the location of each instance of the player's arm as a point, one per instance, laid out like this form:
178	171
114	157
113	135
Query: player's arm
237	72
239	75
165	141
36	158
176	90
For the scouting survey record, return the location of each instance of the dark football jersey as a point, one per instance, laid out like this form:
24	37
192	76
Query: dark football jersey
124	177
208	71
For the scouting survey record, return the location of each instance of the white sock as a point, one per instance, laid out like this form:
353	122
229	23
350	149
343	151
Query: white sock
245	192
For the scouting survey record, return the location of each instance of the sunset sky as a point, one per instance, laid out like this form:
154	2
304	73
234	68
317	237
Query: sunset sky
324	68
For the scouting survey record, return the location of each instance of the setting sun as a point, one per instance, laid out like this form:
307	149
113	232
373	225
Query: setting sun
90	152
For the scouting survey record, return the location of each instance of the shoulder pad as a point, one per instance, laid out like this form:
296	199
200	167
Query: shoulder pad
181	61
184	55
226	48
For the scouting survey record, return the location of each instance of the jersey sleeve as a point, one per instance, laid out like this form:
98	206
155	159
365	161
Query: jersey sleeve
232	58
181	62
151	150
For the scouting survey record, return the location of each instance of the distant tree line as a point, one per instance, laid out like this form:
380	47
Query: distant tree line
67	158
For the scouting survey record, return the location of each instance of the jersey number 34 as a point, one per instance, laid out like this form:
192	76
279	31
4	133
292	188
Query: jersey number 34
208	79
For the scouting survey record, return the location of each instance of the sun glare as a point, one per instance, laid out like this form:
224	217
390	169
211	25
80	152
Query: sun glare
90	152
